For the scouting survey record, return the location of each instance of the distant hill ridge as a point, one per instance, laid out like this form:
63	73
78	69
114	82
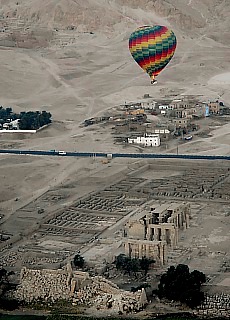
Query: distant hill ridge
210	17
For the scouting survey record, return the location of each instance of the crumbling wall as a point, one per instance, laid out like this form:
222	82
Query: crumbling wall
43	284
79	288
217	305
103	294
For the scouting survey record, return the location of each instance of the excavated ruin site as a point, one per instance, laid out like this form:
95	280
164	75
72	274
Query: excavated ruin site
49	231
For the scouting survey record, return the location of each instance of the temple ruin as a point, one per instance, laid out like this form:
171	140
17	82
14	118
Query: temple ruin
149	232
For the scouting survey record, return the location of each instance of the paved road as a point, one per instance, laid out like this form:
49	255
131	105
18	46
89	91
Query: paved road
112	155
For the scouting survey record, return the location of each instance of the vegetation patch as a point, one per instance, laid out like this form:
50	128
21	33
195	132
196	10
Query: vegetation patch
178	284
31	120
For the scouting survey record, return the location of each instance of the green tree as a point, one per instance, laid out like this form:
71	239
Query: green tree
145	264
5	286
44	118
78	261
28	120
180	285
132	265
8	111
120	261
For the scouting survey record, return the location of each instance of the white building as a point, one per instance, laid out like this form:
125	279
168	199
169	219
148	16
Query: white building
12	125
164	107
148	140
161	131
148	105
15	124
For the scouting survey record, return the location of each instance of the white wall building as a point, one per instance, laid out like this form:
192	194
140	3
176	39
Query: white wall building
148	140
15	124
164	107
161	131
148	105
12	125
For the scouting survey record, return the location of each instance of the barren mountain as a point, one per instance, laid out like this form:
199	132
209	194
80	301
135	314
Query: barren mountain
69	43
189	16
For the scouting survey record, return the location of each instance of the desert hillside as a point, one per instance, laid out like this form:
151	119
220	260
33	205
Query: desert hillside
71	58
73	54
190	17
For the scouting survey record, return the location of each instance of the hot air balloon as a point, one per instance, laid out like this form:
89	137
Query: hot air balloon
152	47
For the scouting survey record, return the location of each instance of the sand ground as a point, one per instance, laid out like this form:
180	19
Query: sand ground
75	82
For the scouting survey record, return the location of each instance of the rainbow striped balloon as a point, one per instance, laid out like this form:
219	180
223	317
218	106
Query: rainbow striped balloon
152	48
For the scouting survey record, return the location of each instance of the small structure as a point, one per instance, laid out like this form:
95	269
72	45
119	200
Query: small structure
181	123
214	107
185	113
161	131
206	111
15	124
148	105
165	107
148	140
11	124
179	103
135	112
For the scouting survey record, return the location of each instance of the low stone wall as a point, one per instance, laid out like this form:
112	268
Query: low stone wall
217	305
43	284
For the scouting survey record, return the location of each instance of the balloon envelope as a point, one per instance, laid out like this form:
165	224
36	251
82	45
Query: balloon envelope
152	47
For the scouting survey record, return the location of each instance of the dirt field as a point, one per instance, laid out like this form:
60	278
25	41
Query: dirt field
86	77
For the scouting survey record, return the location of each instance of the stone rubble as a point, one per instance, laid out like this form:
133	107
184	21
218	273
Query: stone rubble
217	305
43	284
78	287
103	294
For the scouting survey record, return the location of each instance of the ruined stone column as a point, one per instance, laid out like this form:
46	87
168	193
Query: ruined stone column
178	220
187	219
163	234
127	251
148	233
140	251
176	237
161	253
147	251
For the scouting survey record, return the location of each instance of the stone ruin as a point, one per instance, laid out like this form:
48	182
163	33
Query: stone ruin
154	229
79	288
217	305
104	294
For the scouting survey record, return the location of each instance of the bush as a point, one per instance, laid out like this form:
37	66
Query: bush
133	265
180	285
78	261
